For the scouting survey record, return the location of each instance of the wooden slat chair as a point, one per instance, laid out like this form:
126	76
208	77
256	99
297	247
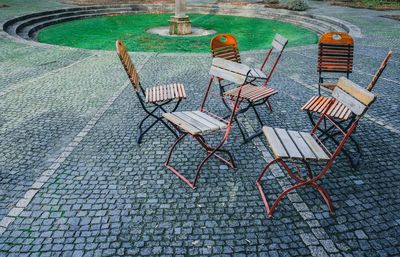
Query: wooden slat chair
225	46
293	147
152	99
339	112
335	55
198	123
255	95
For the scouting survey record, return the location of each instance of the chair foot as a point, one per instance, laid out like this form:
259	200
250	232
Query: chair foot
139	136
179	175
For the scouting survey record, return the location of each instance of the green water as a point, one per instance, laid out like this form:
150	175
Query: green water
101	33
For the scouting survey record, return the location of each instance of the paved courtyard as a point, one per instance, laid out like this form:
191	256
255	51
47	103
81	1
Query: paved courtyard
73	182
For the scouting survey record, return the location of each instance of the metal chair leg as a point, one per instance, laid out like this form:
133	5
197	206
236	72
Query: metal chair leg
300	182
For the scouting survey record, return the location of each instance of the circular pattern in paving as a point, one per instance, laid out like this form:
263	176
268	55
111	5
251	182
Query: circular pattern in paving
101	32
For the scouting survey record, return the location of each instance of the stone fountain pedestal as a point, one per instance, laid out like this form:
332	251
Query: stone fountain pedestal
180	25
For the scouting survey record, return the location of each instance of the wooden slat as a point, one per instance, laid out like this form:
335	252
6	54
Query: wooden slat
176	91
171	90
288	143
165	92
210	119
147	95
257	73
181	123
316	103
206	122
194	122
154	94
264	93
359	93
231	66
307	105
183	91
336	109
277	45
275	143
282	40
353	104
345	114
227	75
161	93
302	145
168	89
317	149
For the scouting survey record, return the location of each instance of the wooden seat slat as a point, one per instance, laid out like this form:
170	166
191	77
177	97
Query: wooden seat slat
316	103
181	123
252	93
167	89
288	143
274	142
183	90
147	95
345	114
302	145
164	93
310	102
325	105
204	121
265	94
314	146
212	120
294	144
194	122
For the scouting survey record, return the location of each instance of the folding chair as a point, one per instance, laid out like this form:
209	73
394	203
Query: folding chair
335	55
153	100
225	46
254	94
198	123
338	112
292	147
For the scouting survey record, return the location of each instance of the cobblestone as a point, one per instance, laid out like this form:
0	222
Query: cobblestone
74	182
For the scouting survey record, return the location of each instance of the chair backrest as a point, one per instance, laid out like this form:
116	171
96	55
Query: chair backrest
354	97
231	71
278	43
335	52
379	71
225	46
128	65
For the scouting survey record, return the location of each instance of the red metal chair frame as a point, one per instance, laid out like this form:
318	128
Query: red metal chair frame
335	55
344	123
211	151
311	180
228	49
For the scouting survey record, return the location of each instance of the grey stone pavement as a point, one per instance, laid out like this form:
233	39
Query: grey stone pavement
73	182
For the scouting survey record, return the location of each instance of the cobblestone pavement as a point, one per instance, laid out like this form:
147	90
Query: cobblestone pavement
73	182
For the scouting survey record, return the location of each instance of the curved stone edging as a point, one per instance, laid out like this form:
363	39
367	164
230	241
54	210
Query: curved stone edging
26	27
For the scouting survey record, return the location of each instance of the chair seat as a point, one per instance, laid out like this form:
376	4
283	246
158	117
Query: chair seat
194	122
294	145
318	104
252	93
165	93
